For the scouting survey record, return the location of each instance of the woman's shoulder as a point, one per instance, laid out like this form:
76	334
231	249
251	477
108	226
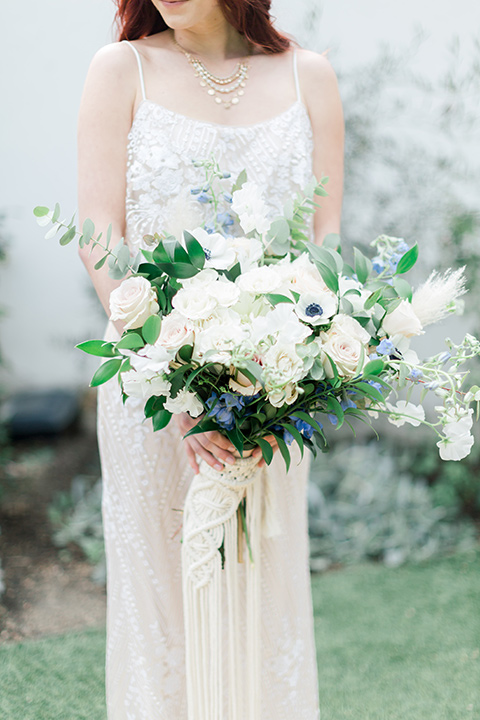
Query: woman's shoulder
315	67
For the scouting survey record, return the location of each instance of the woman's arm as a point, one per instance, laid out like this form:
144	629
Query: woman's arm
104	122
320	91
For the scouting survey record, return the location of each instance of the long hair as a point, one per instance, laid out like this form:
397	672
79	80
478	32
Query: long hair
251	18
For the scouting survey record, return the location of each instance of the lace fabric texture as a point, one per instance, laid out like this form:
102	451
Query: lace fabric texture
146	475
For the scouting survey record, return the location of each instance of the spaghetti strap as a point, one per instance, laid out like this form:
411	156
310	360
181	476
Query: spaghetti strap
295	75
140	68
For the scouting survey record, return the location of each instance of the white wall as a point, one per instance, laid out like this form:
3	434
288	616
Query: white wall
45	51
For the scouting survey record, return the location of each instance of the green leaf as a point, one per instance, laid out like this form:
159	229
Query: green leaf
161	419
403	288
241	179
374	367
332	240
307	418
279	236
109	235
160	255
370	391
185	353
330	278
275	299
40	211
236	439
105	372
87	230
68	236
373	298
130	341
178	270
334	408
151	329
407	261
181	255
195	251
267	450
101	263
234	272
204	425
254	368
363	266
283	447
296	436
99	348
123	258
56	213
154	404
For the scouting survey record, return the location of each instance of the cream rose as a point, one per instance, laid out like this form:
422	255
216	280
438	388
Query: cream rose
260	280
282	366
344	350
402	321
194	303
176	331
346	325
133	302
225	292
241	384
286	395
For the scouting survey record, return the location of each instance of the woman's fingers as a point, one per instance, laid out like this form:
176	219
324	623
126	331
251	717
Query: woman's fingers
203	453
192	458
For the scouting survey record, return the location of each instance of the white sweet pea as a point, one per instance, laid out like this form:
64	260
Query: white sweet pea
317	308
193	302
402	321
248	251
151	360
133	302
175	332
457	441
185	401
218	253
251	209
405	412
138	385
259	280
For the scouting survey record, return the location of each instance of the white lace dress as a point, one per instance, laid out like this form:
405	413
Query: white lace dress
146	474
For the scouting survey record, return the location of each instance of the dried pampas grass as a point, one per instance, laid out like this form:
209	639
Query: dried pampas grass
435	299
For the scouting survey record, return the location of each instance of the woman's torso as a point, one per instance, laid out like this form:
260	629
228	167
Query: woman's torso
163	145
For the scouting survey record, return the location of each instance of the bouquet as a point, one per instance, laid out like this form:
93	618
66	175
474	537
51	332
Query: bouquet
248	326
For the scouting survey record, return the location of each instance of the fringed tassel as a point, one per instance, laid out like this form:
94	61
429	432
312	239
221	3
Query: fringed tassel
210	541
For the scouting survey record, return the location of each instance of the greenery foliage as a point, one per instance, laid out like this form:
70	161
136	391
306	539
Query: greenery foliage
76	519
364	506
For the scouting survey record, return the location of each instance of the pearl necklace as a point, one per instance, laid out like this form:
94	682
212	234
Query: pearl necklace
220	87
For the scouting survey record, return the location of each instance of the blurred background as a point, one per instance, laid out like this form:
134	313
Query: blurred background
409	76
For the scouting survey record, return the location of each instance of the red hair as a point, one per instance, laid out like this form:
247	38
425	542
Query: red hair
251	18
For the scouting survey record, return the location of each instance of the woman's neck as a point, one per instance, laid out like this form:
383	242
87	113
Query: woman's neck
217	42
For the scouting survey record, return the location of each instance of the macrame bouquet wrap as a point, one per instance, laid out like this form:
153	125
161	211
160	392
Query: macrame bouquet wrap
210	568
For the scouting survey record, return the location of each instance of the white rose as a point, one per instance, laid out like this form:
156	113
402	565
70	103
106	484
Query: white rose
344	350
185	401
133	302
302	275
219	341
204	277
226	293
317	308
218	253
175	332
405	412
402	321
136	384
250	207
260	280
354	292
347	325
193	302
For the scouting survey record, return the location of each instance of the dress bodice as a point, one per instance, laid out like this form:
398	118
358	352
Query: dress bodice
162	145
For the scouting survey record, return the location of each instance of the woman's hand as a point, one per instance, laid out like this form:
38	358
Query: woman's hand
212	446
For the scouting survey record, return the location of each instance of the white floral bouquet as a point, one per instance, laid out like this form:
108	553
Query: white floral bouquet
250	327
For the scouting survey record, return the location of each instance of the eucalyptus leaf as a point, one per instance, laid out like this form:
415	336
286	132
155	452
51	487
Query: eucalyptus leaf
68	236
87	230
41	211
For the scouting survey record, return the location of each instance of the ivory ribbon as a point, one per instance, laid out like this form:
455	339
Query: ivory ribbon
210	521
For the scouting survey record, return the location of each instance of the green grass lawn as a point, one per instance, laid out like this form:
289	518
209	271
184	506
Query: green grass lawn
392	644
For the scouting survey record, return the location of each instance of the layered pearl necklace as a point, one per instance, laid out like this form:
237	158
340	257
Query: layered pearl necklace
220	87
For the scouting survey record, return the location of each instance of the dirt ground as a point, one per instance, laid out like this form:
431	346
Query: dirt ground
47	592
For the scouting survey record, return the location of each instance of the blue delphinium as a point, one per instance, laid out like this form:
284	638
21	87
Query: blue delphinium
221	408
303	427
386	347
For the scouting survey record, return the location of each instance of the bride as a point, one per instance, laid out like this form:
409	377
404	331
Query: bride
192	79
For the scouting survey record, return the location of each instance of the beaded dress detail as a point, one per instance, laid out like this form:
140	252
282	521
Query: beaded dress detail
146	475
